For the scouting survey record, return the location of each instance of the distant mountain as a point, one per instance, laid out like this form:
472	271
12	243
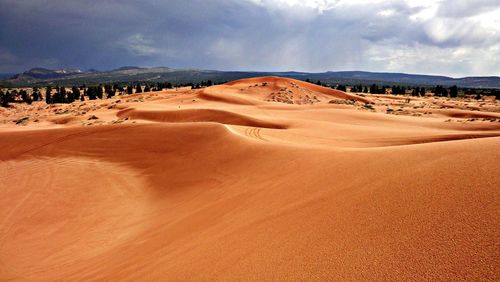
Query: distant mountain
6	75
363	77
128	68
41	74
41	77
129	74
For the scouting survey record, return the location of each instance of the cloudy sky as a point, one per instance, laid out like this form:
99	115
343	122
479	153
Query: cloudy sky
450	37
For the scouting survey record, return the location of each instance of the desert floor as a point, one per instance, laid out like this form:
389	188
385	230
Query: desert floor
258	179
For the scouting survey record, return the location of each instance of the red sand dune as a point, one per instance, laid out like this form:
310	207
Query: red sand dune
179	187
278	89
197	115
468	114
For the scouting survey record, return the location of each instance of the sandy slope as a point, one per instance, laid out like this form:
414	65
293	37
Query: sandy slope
262	183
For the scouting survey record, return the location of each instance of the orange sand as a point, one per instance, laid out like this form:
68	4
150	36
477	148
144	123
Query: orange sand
258	179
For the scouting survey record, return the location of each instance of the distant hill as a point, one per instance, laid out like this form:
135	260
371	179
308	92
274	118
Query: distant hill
6	75
41	73
362	77
41	77
129	74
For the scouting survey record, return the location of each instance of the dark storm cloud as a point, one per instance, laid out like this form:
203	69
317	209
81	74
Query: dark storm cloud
244	35
105	34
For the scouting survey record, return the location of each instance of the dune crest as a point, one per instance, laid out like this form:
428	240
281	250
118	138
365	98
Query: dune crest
253	91
198	115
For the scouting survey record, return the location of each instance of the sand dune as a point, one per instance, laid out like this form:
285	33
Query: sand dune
240	186
469	114
197	115
275	89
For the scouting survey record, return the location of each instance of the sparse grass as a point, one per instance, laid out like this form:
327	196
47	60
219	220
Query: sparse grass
63	112
21	121
369	107
341	101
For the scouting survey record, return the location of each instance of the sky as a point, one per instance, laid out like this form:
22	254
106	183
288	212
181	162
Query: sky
447	37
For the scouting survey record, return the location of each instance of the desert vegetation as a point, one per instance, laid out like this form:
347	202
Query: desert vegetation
65	94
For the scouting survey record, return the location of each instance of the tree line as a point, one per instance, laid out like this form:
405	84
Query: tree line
60	95
57	95
438	90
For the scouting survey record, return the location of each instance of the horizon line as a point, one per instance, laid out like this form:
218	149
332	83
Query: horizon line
252	71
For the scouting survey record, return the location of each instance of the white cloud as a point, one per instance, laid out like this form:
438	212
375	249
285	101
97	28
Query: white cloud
139	45
319	5
386	12
435	60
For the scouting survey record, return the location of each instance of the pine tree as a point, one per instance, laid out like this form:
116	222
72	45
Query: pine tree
4	101
62	95
453	91
48	96
99	91
496	93
35	94
25	97
92	92
70	97
76	93
117	88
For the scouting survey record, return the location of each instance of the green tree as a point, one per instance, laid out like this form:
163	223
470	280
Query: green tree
341	88
496	93
48	95
100	92
92	92
453	91
35	94
62	95
117	88
4	100
76	92
110	91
